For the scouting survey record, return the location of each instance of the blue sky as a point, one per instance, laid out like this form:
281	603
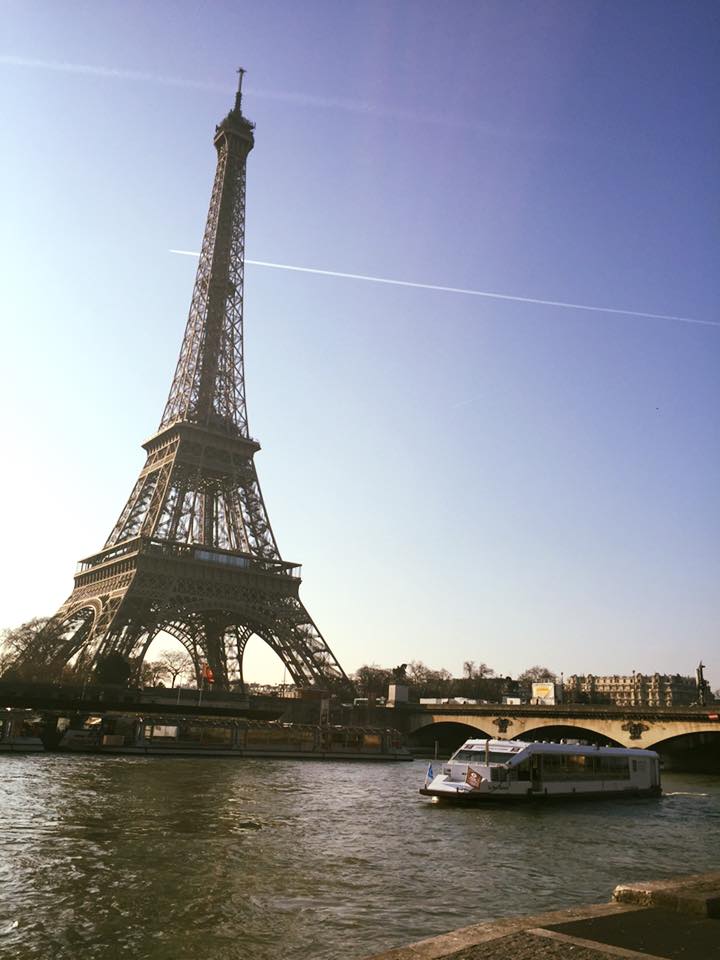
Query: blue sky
461	477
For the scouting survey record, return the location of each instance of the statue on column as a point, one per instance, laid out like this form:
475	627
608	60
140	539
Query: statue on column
701	683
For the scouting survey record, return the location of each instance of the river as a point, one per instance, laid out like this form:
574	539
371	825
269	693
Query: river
181	859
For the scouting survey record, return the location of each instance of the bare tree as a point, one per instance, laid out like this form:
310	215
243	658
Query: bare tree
536	673
477	671
372	680
15	641
7	659
428	682
176	665
151	673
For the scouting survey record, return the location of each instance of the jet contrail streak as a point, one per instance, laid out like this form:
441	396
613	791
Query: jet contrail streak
120	73
115	73
286	96
471	293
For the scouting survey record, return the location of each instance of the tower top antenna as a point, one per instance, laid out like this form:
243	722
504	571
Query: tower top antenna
238	96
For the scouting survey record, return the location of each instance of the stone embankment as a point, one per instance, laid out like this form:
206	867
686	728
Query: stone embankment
675	919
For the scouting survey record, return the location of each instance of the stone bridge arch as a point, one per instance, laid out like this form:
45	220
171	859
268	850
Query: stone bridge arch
659	734
648	730
693	751
588	733
443	737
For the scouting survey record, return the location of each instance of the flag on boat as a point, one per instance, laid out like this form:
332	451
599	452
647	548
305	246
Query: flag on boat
473	778
429	775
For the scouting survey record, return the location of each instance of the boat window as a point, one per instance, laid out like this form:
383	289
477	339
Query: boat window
558	766
158	730
614	768
522	770
498	774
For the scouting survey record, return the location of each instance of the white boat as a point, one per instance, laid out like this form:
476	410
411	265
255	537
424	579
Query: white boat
508	770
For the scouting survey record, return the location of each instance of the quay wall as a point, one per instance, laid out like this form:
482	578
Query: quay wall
678	917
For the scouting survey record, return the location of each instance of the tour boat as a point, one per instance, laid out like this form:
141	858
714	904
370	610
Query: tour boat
503	770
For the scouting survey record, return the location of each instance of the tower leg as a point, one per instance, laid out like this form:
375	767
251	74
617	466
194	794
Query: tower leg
214	626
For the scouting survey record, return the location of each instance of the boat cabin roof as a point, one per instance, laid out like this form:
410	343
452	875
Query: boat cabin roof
514	748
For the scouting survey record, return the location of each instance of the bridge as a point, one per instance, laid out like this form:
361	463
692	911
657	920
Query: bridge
81	700
685	736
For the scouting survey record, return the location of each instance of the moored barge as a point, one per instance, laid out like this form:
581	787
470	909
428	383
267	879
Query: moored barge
222	737
20	732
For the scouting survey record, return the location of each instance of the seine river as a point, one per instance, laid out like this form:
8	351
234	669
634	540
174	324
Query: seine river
223	859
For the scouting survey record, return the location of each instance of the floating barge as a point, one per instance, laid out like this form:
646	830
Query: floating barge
20	732
175	736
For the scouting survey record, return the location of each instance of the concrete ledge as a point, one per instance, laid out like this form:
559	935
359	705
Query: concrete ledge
447	944
635	911
697	894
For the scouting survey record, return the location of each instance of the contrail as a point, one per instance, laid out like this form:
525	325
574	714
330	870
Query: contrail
120	73
285	96
470	293
62	66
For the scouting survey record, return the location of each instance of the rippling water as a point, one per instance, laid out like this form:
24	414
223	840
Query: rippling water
228	859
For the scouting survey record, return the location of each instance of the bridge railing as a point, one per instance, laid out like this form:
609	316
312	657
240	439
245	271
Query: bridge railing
598	710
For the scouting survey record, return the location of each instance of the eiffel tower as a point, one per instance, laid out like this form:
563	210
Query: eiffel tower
193	554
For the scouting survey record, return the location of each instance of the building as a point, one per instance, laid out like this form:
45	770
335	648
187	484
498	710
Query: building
636	690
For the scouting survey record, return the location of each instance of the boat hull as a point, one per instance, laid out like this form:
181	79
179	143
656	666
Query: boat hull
22	746
475	797
236	754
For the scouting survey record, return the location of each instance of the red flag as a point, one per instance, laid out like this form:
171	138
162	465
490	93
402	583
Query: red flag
473	778
207	673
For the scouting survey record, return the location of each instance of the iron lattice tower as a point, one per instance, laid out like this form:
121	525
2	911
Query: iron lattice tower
193	553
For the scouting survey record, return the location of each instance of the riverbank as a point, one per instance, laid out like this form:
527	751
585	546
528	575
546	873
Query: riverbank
676	919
